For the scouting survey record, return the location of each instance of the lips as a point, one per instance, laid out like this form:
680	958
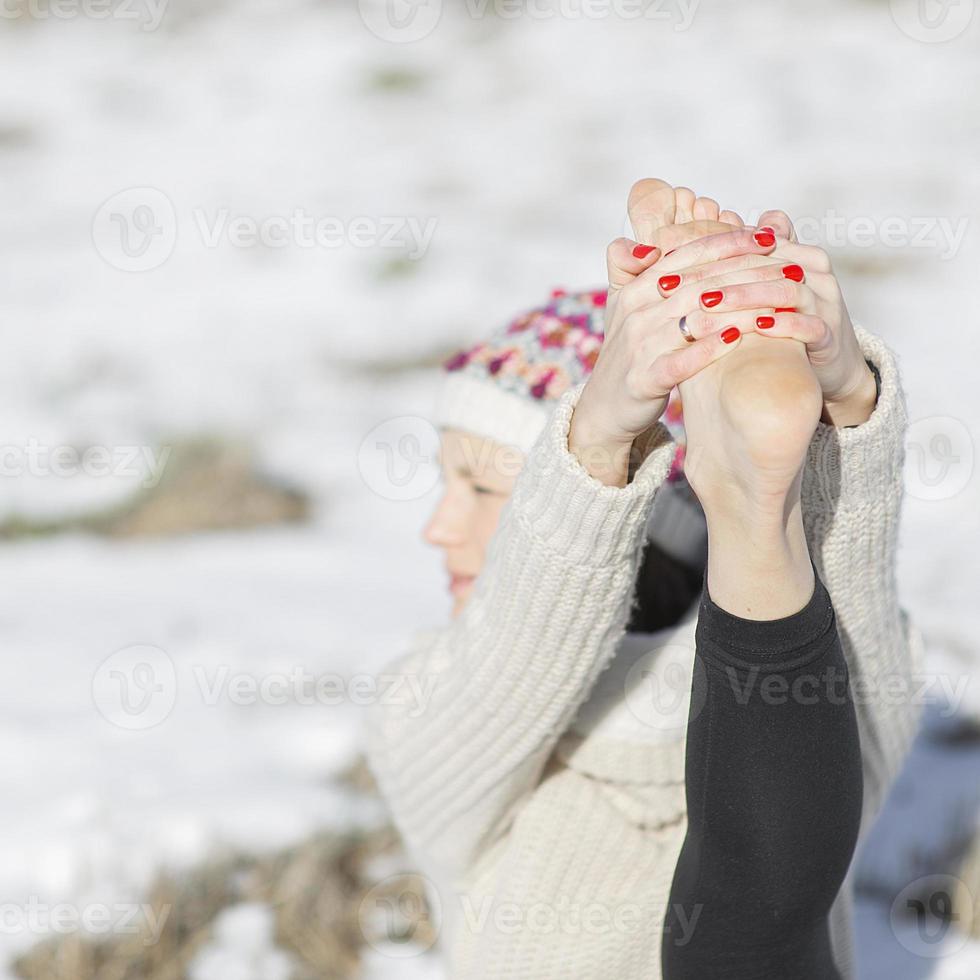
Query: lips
460	583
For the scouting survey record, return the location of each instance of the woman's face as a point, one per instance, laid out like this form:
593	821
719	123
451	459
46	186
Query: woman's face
478	477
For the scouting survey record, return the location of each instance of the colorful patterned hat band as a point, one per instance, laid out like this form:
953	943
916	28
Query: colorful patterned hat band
505	387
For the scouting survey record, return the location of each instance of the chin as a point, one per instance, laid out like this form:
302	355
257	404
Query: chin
460	602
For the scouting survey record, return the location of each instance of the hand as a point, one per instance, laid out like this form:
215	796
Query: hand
790	291
644	355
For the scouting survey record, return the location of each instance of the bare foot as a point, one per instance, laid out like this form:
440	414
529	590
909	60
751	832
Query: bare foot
669	216
749	419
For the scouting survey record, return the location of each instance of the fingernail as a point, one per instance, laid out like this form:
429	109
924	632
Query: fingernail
785	309
764	238
765	322
667	283
768	228
794	272
642	251
712	298
730	334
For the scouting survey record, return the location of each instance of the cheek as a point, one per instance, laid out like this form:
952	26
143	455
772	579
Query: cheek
487	521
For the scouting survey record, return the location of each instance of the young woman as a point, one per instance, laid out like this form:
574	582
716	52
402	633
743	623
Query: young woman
570	826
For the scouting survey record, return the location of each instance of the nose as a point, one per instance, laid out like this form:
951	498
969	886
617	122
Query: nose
447	525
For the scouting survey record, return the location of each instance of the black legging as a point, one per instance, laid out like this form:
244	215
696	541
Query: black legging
774	792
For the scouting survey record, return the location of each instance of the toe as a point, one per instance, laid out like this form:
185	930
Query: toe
685	198
706	209
651	206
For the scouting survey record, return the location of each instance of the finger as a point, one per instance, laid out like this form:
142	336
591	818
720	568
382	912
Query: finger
723	270
626	259
731	218
779	222
706	209
721	245
776	294
672	237
687	291
670	369
703	323
811	330
684	199
651	206
811	258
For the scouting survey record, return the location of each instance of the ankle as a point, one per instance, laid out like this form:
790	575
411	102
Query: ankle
759	563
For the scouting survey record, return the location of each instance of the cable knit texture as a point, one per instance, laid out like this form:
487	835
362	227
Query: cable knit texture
545	811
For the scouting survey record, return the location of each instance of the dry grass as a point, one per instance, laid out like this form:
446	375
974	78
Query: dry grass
315	890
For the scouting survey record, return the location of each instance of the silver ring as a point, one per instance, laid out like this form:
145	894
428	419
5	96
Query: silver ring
682	326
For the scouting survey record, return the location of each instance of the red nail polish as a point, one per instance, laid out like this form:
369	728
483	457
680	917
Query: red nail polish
667	283
765	322
730	334
794	272
642	251
764	238
712	298
785	309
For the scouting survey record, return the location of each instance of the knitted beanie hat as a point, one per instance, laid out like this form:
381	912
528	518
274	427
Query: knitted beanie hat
504	388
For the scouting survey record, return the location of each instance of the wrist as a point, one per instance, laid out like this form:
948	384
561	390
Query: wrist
602	455
856	405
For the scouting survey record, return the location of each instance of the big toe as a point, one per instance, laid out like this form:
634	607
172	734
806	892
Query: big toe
652	206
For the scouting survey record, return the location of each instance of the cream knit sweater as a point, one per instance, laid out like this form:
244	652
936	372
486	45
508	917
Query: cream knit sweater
545	806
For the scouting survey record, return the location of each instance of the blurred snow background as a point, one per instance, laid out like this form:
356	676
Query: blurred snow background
137	313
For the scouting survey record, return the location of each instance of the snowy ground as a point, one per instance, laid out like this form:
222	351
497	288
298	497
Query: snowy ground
512	140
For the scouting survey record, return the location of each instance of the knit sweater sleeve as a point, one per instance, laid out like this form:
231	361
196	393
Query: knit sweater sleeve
507	675
852	499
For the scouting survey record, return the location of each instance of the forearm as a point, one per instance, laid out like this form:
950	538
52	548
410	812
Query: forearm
508	674
852	498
